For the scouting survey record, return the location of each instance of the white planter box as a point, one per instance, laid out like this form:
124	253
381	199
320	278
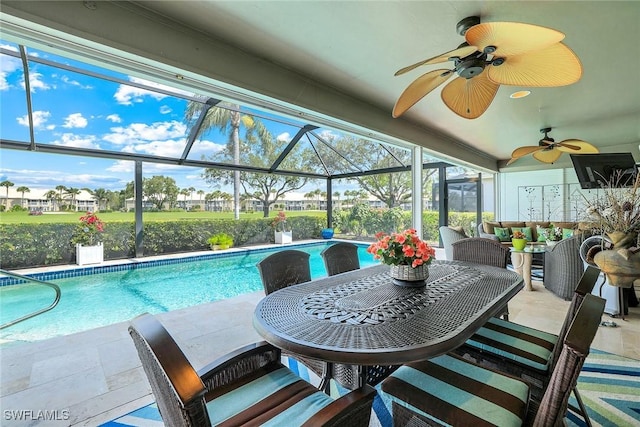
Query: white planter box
283	237
89	254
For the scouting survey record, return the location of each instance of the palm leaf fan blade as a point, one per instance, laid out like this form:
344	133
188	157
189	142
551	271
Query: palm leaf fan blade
460	52
570	145
523	151
552	66
469	98
512	38
418	89
547	156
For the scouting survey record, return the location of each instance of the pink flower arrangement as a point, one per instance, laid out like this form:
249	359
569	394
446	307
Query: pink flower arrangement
87	232
404	248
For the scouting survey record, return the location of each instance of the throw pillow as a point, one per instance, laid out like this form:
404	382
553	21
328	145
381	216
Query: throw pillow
502	233
567	232
526	230
542	233
488	226
459	229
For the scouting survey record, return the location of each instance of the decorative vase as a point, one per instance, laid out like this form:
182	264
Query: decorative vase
405	275
283	237
519	244
327	233
620	264
89	254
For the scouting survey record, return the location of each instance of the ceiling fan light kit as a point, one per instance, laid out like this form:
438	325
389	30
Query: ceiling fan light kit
494	54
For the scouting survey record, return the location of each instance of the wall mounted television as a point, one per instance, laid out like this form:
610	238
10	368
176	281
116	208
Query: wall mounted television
605	169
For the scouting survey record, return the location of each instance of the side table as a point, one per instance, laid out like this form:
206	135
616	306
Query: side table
522	260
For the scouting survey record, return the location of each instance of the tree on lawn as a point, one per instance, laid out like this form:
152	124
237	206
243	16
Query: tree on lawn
228	119
257	148
7	184
393	189
22	190
160	190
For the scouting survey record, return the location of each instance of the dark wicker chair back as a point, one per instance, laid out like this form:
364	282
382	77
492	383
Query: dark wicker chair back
178	389
284	268
554	404
181	392
340	257
563	266
481	251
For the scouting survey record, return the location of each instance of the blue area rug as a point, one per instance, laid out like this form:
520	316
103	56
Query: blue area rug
609	386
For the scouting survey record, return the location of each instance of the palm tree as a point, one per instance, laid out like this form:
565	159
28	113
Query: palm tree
22	189
184	192
51	196
100	195
72	193
200	194
228	119
7	184
61	189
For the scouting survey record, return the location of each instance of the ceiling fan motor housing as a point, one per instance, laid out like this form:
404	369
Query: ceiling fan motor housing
471	66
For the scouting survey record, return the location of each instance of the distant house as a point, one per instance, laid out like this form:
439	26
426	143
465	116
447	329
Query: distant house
35	200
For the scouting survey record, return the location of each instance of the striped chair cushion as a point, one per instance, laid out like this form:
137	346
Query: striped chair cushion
456	392
290	401
526	346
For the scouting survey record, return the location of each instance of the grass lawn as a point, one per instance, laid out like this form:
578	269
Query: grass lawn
58	217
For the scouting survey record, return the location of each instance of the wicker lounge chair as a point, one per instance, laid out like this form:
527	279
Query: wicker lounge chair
563	266
453	391
249	384
448	236
482	251
526	352
340	257
284	268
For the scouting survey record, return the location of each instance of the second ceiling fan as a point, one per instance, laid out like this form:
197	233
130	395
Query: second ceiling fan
494	54
548	150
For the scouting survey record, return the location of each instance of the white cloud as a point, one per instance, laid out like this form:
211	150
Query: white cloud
8	65
75	120
328	134
127	95
114	118
39	119
285	136
123	166
80	141
140	132
204	148
68	81
36	82
165	109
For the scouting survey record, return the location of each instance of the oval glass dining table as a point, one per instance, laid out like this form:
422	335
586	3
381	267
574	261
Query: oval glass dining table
362	320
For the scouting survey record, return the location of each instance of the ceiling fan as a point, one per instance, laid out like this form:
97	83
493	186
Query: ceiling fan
548	151
494	54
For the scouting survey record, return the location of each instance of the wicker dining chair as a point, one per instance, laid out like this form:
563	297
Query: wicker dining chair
284	268
526	352
482	251
340	258
451	390
247	385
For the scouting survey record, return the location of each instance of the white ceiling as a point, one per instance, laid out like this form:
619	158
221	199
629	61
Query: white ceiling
356	46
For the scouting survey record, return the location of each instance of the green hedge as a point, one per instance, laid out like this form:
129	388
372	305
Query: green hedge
33	245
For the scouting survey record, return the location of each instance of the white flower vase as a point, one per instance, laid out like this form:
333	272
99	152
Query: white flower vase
284	237
89	254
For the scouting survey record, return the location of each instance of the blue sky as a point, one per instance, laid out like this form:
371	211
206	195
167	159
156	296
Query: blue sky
74	109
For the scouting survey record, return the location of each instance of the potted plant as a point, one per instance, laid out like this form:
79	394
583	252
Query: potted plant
281	235
518	240
554	235
220	241
87	238
407	254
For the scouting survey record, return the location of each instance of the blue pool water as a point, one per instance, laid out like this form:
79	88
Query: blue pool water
91	301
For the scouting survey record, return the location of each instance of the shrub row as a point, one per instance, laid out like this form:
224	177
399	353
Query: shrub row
34	245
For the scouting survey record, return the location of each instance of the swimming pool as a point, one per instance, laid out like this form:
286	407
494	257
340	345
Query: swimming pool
91	301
